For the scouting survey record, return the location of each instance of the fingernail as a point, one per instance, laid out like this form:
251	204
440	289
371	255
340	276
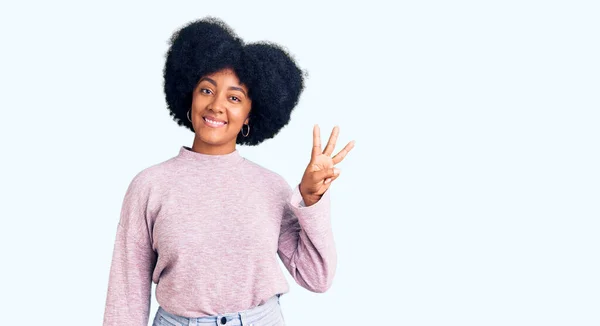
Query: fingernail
328	180
336	171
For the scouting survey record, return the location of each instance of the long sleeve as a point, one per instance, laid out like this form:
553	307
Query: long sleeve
133	260
306	244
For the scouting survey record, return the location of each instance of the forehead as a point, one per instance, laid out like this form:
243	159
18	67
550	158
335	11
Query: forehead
225	77
224	74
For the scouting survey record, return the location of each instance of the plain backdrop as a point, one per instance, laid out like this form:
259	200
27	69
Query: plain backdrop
471	197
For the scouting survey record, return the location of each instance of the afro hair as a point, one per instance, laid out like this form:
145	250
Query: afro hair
205	46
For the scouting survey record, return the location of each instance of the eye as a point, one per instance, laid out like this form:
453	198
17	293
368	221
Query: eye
205	90
235	98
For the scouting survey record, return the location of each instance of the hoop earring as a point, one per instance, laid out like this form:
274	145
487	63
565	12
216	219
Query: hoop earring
188	115
246	135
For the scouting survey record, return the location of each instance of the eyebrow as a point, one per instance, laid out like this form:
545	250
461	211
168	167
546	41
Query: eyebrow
215	83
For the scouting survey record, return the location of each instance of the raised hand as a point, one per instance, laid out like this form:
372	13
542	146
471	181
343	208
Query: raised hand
321	170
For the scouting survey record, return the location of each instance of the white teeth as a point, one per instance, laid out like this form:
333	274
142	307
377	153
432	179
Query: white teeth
214	122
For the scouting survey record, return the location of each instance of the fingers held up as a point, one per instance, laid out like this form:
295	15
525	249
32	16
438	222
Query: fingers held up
332	141
340	156
316	149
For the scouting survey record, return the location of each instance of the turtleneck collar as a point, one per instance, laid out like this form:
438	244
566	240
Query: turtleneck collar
231	159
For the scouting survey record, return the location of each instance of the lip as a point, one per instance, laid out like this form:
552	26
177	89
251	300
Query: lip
214	119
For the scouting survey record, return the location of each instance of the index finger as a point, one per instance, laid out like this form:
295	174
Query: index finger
316	150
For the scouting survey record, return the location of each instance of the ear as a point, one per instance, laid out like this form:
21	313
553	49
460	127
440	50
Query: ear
247	121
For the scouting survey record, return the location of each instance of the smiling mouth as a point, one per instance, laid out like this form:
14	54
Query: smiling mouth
212	123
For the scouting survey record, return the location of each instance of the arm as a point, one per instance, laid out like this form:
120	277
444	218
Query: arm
133	260
306	243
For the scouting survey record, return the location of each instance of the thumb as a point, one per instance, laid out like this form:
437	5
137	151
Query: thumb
327	173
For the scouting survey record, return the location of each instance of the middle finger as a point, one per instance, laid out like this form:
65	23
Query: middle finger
332	140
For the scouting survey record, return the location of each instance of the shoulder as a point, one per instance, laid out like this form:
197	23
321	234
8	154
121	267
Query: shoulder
151	177
267	175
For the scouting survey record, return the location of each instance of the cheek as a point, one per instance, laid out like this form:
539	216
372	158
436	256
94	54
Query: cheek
197	101
238	116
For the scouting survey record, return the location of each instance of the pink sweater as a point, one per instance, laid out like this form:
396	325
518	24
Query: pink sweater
207	229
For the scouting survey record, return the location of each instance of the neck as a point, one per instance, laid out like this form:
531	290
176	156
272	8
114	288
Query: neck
209	149
209	161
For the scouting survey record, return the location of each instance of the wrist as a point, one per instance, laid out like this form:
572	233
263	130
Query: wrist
308	199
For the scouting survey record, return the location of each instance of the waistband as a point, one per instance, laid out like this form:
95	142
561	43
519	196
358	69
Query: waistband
244	317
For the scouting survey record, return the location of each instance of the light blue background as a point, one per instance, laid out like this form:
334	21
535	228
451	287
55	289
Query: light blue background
471	197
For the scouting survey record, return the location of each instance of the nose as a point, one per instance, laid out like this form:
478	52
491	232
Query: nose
218	104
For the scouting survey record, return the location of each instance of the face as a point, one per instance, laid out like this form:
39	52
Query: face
220	107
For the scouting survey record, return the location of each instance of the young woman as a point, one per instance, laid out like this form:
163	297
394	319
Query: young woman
207	225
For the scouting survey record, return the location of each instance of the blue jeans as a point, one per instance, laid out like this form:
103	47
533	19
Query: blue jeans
267	314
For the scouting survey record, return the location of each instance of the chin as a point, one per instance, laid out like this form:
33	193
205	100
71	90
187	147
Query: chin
212	140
